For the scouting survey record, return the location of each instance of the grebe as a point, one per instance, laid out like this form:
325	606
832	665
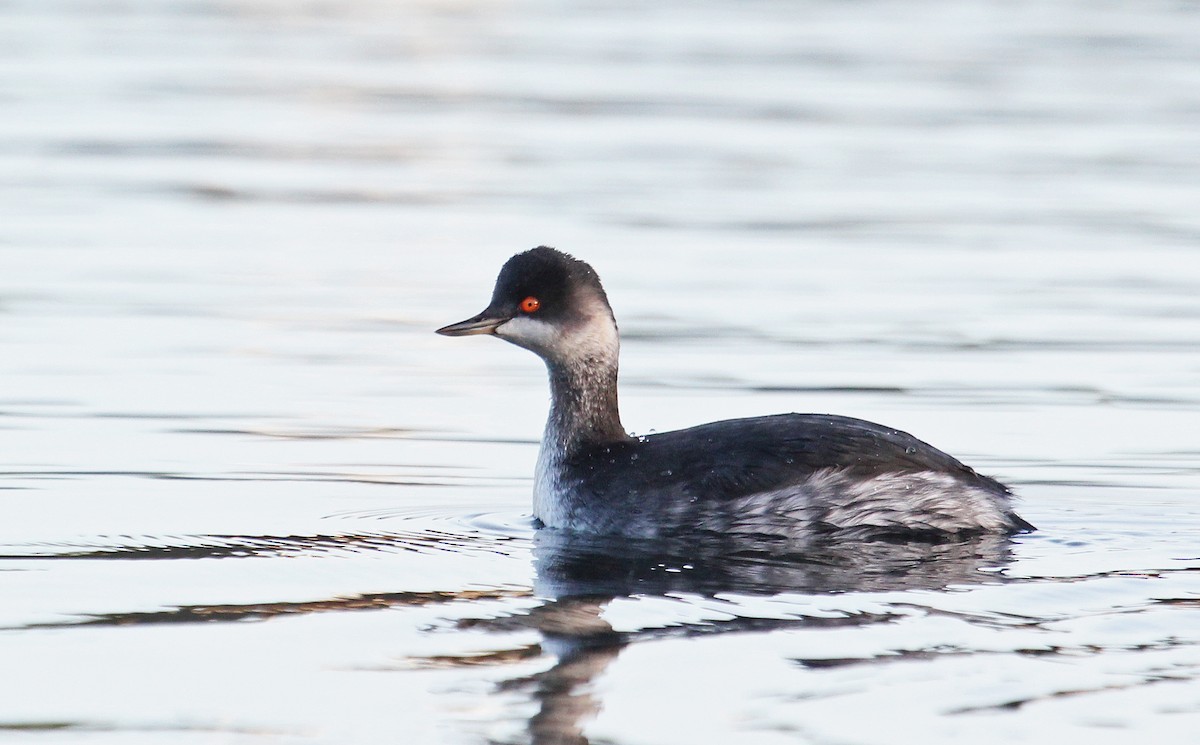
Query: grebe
787	475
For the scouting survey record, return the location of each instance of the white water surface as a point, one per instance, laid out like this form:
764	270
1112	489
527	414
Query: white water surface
250	497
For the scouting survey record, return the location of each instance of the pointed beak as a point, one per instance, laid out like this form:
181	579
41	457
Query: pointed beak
484	323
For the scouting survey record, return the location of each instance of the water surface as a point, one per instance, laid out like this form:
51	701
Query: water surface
250	497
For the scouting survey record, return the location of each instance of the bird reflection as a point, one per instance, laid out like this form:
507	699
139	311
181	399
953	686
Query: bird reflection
578	575
570	565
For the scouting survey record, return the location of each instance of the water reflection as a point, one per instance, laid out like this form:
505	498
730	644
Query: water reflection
576	565
260	611
580	575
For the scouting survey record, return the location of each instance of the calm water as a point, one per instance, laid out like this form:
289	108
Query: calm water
250	497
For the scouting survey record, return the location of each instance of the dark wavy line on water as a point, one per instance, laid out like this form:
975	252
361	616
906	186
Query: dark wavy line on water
261	611
1119	222
1180	675
999	344
577	620
381	433
905	655
72	726
396	434
245	546
282	477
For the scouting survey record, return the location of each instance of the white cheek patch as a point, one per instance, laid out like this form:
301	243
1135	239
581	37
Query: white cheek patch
526	331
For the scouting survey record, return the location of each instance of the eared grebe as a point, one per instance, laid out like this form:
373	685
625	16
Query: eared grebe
789	475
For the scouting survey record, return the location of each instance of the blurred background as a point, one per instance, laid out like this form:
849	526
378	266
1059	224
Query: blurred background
228	229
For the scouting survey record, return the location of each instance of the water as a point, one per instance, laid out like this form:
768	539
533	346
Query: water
250	497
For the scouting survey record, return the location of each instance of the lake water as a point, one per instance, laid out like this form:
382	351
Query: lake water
250	497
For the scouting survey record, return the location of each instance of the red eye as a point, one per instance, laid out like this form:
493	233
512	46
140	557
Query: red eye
530	304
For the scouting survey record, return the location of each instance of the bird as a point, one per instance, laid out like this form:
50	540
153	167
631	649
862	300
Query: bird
784	476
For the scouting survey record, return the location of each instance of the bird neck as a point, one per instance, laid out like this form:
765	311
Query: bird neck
583	402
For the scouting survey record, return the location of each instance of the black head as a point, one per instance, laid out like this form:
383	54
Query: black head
546	301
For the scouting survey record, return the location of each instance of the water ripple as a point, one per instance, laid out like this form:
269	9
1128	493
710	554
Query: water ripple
432	531
262	611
